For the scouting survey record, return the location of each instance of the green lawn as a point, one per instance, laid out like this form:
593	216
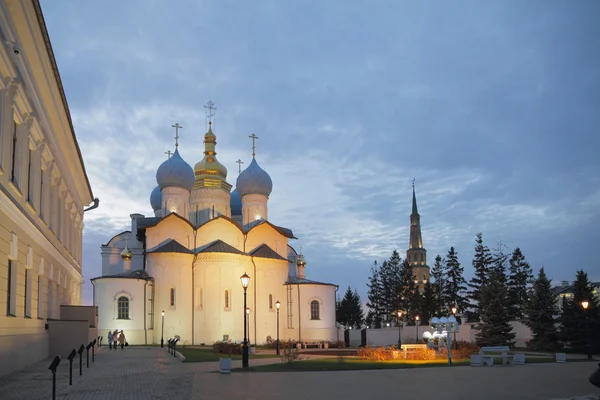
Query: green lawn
347	364
205	355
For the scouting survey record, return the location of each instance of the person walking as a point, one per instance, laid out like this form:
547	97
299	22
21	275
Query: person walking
110	340
115	338
122	340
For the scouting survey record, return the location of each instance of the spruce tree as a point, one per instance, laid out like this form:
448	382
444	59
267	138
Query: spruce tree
344	316
499	261
375	297
540	315
428	303
357	315
438	274
391	282
482	261
407	288
519	280
454	285
494	329
578	325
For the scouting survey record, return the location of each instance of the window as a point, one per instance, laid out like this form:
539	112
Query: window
123	308
270	302
29	180
13	177
50	297
41	210
27	294
172	297
227	299
39	294
11	289
314	309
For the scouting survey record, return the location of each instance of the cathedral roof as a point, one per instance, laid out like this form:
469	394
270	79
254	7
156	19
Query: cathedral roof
135	274
175	172
294	280
264	251
218	246
170	246
235	203
284	231
254	180
209	172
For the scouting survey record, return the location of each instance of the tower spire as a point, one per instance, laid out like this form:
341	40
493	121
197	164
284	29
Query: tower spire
416	254
414	199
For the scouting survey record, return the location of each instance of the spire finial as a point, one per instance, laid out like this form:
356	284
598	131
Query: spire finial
177	127
169	153
414	199
413	184
240	162
253	137
210	111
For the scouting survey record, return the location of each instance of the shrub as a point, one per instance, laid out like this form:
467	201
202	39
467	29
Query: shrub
464	349
336	344
378	354
288	352
227	347
421	354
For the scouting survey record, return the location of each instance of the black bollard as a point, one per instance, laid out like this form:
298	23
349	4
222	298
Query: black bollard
87	354
174	345
52	368
169	346
93	347
71	357
80	351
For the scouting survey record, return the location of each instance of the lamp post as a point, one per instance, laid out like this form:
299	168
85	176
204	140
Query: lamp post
277	305
585	304
417	318
454	310
245	282
248	318
399	315
162	331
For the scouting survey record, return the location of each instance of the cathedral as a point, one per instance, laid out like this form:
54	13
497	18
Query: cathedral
177	273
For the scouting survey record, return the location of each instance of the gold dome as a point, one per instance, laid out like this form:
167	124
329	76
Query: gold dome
209	172
126	254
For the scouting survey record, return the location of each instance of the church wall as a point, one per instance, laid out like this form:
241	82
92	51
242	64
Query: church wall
175	200
202	202
254	207
171	227
267	234
106	294
172	271
220	229
322	329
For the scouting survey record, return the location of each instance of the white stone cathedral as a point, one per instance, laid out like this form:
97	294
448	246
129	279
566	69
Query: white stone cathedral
188	258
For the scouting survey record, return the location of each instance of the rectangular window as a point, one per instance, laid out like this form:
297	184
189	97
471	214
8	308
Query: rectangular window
314	309
50	302
29	180
226	299
123	308
270	302
27	293
13	176
172	297
39	298
11	290
41	210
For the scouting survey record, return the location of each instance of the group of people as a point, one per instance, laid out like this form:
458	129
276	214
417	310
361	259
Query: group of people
114	337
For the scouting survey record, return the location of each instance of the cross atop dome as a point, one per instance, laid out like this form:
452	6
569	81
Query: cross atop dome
210	111
253	137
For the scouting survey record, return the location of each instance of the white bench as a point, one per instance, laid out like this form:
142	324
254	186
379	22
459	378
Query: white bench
488	358
406	347
312	344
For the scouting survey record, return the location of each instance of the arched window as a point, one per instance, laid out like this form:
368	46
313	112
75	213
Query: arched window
123	308
172	297
314	309
227	299
270	302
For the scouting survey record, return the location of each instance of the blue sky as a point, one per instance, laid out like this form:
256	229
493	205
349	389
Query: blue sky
493	107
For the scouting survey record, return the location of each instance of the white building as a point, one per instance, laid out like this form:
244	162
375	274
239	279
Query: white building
188	258
43	190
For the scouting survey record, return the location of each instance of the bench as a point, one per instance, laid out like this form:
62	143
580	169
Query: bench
311	344
488	358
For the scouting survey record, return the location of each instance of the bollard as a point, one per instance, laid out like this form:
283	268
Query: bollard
169	345
87	354
71	357
52	368
175	345
93	346
80	351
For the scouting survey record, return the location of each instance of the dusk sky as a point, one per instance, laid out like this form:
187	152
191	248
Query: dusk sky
492	106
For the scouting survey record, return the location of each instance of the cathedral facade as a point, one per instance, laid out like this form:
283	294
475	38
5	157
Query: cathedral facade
177	273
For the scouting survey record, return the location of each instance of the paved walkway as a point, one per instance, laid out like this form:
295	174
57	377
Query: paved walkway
151	373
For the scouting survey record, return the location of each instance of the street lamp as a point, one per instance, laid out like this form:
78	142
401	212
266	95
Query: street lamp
245	282
248	318
399	315
454	310
162	332
585	304
417	318
277	305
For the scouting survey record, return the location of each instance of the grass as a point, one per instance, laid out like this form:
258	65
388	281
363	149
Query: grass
207	355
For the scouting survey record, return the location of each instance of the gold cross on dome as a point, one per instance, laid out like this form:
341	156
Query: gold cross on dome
240	162
253	137
210	108
177	127
169	153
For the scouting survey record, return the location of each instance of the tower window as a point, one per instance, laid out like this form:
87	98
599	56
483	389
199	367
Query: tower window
13	177
172	297
270	302
226	299
314	310
123	308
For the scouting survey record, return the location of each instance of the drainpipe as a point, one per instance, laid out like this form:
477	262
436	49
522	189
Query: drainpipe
254	264
335	312
193	281
299	316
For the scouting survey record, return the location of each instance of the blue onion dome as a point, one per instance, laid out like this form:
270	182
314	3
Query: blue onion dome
175	172
235	202
209	171
254	180
156	199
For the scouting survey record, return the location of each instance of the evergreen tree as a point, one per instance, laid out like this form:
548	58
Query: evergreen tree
499	261
343	314
519	280
407	288
577	325
391	280
454	285
540	312
482	261
428	303
438	274
357	315
375	297
494	329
